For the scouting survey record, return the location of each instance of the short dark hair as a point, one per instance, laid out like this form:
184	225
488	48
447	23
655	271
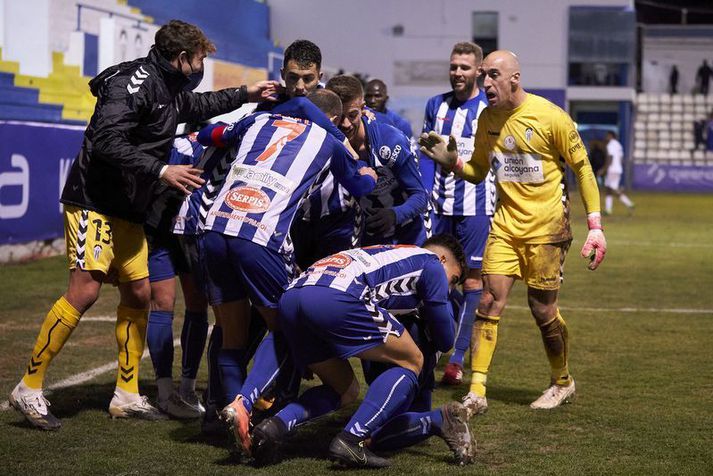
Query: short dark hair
377	82
450	243
468	48
612	133
304	53
347	87
327	101
176	36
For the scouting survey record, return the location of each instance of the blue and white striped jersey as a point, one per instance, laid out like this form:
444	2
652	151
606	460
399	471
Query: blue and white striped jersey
375	273
394	277
215	163
161	218
451	195
277	161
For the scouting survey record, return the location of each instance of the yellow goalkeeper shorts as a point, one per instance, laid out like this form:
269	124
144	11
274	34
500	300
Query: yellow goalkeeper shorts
540	266
97	242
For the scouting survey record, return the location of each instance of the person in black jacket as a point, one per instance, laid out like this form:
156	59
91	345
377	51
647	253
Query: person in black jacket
112	182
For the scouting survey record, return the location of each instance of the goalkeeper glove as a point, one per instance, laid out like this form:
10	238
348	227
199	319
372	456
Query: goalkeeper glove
596	245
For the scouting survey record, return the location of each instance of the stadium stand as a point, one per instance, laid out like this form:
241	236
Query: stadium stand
664	129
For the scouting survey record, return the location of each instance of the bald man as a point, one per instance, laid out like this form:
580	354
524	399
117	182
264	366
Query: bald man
376	95
523	138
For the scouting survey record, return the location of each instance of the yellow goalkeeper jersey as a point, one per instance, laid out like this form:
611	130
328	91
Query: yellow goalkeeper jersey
527	148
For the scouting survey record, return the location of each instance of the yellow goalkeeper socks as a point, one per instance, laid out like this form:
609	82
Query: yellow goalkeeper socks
55	331
556	340
483	342
130	337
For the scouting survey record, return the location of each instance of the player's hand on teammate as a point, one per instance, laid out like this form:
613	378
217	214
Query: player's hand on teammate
185	178
264	91
434	147
380	220
370	172
595	247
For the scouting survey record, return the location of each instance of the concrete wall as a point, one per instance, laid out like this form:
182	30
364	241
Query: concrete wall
357	36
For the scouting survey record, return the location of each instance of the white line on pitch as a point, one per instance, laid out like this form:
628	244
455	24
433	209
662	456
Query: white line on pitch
626	309
84	377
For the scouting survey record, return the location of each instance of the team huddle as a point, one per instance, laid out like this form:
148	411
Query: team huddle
318	230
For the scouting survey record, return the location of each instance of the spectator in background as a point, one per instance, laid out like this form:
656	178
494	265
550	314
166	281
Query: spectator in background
673	81
709	132
376	96
703	76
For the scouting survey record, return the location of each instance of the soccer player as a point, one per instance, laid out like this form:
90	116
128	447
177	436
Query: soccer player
614	168
461	208
376	95
526	141
337	309
110	185
395	212
247	212
167	259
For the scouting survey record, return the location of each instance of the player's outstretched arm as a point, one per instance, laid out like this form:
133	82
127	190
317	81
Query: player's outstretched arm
435	148
595	247
264	91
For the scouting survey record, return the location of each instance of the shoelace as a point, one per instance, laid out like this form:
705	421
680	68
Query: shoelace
37	402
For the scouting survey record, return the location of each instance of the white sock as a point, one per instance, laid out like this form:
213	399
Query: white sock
608	203
165	387
626	201
124	396
23	389
188	386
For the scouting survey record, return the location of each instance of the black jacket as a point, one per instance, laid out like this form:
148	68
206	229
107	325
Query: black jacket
129	137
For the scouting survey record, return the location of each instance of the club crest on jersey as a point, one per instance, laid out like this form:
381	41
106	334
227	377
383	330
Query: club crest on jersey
248	199
528	134
340	260
97	252
509	142
385	152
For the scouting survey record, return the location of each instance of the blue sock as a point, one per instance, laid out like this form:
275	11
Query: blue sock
390	392
230	362
313	403
159	336
465	325
406	430
271	358
214	389
193	337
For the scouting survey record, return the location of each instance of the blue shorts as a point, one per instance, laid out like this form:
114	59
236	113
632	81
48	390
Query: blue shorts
321	323
166	260
238	269
471	232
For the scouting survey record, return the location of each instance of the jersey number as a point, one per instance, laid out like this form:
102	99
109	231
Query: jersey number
295	129
107	231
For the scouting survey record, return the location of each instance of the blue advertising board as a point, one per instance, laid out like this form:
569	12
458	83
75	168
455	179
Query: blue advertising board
35	159
672	178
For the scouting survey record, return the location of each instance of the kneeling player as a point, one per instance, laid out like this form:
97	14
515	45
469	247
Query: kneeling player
332	312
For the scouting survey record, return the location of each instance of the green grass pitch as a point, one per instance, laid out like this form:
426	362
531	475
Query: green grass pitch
641	332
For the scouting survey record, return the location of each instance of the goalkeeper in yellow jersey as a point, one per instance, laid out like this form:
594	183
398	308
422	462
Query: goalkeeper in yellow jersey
526	141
